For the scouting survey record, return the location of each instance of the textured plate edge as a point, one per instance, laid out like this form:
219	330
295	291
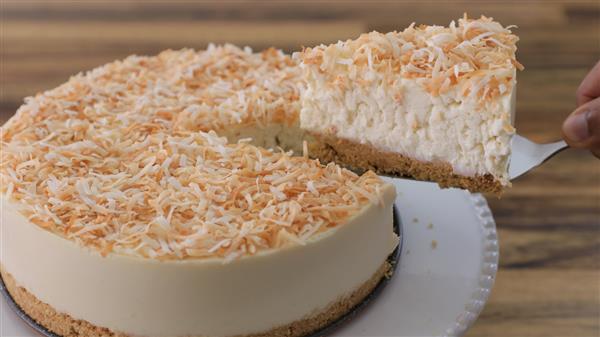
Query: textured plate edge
393	259
489	267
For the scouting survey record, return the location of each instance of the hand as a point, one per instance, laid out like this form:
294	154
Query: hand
582	128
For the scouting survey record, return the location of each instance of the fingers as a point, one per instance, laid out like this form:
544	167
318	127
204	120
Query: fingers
582	128
590	86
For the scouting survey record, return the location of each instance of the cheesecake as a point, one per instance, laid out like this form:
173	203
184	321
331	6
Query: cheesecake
430	102
173	195
206	193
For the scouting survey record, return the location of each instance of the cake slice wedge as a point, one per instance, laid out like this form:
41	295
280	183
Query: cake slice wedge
431	102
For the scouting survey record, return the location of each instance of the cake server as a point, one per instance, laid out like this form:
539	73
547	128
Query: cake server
526	155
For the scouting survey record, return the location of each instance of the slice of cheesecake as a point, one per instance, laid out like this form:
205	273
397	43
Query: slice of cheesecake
430	102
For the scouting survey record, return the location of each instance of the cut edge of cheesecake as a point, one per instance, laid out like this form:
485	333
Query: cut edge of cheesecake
362	157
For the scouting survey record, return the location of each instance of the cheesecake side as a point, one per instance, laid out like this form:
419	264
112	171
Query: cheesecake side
196	297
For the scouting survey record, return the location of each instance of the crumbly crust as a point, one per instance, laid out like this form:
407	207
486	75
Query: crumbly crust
361	157
66	326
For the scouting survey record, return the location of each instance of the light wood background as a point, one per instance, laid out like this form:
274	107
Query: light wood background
549	222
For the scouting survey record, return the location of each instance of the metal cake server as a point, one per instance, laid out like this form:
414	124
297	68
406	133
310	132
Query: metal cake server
527	155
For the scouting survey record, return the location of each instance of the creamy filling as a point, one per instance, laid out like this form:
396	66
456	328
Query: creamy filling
201	297
473	136
270	136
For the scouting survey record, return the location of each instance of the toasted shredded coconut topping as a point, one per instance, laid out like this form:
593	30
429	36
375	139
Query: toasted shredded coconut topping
118	159
478	54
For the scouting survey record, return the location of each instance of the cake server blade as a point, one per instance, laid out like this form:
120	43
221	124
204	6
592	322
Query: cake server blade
527	155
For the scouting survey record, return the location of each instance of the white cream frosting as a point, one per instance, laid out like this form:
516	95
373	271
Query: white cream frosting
145	297
472	136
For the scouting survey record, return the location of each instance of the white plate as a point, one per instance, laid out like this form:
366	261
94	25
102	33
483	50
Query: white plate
436	291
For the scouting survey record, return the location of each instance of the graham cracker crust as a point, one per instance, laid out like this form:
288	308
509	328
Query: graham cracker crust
363	157
66	326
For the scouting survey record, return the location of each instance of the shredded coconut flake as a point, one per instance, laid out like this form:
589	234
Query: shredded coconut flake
440	56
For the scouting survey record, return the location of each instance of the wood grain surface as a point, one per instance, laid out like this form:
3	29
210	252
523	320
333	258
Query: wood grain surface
548	223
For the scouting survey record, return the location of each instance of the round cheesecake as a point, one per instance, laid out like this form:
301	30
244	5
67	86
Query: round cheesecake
154	197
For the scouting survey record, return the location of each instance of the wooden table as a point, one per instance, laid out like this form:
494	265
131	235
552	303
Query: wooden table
549	222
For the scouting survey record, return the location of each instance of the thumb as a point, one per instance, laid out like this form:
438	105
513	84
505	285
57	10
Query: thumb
582	128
